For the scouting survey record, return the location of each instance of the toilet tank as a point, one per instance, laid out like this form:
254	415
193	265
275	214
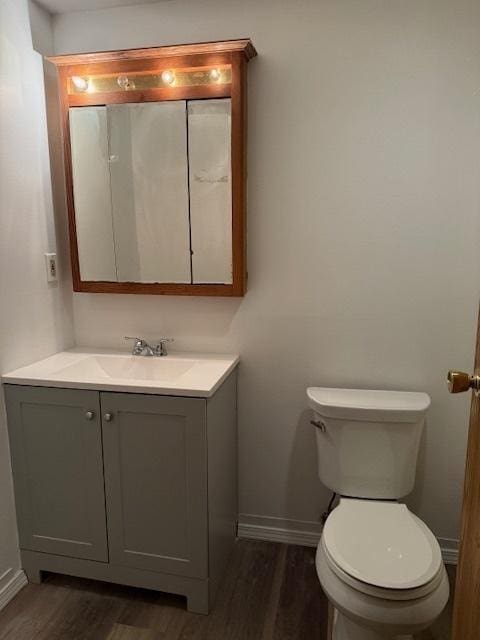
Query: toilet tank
368	441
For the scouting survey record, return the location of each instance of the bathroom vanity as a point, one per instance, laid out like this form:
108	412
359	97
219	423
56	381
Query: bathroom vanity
125	468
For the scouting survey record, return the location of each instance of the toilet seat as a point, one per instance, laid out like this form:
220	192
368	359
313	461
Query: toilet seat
381	592
382	549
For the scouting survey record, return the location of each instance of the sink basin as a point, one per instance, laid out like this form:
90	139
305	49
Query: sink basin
196	375
166	369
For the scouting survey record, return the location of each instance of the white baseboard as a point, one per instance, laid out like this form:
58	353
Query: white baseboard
449	548
304	533
12	587
307	534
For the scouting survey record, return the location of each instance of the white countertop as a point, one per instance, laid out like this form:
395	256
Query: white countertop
178	374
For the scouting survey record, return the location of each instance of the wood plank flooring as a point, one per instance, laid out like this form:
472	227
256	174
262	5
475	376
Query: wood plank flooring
271	592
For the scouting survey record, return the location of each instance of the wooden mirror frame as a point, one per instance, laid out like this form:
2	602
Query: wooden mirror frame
235	53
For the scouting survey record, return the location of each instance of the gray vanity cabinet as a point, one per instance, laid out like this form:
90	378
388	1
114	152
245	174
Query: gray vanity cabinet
56	446
124	487
156	482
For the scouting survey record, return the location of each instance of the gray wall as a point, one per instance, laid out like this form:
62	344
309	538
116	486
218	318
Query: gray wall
35	318
363	226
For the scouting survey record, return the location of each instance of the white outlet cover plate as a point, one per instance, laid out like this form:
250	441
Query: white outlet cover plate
51	266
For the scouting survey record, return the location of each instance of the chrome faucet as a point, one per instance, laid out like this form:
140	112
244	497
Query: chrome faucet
142	348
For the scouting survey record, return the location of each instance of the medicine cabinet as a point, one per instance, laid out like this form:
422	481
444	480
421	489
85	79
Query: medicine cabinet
155	166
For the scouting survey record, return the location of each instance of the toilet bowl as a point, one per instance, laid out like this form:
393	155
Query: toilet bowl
379	565
382	570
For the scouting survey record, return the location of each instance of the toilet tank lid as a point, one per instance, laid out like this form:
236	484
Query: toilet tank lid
372	405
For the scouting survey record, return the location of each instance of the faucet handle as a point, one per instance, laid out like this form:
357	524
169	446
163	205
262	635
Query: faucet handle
160	349
138	346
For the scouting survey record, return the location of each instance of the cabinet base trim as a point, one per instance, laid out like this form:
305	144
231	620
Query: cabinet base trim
194	589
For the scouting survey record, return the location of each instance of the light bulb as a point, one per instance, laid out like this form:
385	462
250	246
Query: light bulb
168	77
215	75
124	83
80	83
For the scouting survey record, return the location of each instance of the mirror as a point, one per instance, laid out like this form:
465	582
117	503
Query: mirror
152	190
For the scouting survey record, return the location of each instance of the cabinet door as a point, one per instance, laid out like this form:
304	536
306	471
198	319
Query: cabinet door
91	184
210	159
156	482
149	185
56	447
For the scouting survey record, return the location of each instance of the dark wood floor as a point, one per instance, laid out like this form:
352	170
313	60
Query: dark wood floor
271	592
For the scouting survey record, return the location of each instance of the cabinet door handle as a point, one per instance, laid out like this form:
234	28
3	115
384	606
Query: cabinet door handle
89	415
108	417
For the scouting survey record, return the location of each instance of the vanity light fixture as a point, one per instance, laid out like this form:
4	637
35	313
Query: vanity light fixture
80	83
168	77
215	75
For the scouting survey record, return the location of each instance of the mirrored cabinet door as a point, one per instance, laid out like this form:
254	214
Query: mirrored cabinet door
209	136
149	185
152	191
91	187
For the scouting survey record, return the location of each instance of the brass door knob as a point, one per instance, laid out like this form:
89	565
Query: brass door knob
459	381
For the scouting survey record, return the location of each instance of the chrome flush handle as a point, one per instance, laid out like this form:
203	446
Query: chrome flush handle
319	425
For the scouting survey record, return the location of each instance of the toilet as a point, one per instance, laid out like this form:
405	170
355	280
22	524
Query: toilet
379	565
